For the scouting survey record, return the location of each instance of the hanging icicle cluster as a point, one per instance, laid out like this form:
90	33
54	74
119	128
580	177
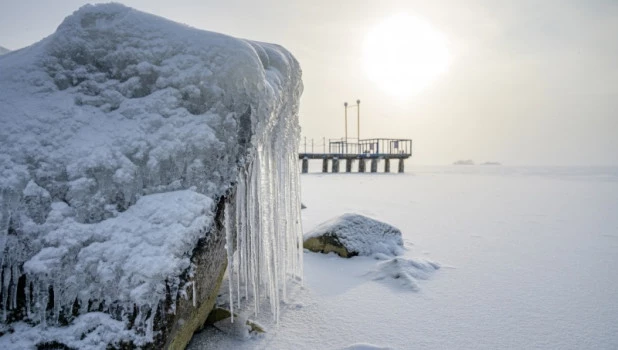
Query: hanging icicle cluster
264	226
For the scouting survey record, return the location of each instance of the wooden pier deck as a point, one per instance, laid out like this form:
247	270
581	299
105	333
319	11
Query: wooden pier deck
362	151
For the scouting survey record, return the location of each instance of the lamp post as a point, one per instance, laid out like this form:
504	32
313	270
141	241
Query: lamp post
345	105
358	119
345	108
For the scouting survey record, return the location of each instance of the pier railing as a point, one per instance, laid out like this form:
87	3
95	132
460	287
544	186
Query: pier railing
371	147
359	151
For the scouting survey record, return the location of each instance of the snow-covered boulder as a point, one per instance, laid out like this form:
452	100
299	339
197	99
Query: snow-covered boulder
349	235
132	149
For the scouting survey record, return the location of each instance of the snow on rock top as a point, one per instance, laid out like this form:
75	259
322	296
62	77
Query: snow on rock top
356	234
120	132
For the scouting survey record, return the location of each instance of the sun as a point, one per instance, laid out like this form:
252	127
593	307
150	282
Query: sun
404	54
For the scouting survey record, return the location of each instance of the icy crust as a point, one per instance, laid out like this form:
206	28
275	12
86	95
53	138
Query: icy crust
361	235
119	132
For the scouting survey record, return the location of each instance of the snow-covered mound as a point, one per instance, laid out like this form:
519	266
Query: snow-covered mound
120	133
404	272
354	234
4	50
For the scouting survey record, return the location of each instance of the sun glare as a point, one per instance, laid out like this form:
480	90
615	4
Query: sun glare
404	54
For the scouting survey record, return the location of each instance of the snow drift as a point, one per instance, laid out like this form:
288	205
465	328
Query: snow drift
120	134
406	272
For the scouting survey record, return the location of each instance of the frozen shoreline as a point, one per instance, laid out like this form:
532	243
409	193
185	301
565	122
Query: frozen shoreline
527	259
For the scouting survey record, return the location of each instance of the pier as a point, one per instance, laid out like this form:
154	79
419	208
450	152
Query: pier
363	152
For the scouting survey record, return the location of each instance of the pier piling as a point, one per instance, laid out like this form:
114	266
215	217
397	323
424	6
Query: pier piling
335	165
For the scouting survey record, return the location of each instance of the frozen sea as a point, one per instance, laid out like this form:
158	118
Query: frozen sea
528	257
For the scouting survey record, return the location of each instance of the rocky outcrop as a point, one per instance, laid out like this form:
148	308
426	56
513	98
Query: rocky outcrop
353	234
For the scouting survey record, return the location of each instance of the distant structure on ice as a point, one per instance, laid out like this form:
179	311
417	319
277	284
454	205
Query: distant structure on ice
464	162
361	150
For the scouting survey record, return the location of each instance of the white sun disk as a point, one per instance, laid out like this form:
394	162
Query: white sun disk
404	54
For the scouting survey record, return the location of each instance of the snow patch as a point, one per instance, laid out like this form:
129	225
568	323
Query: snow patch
404	272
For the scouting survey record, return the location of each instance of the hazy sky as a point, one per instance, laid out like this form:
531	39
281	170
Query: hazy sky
530	82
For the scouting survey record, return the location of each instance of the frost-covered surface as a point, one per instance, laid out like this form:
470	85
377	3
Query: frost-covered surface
527	256
119	134
123	257
361	234
89	331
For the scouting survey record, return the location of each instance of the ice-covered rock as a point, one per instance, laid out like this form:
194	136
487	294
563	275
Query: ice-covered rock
349	235
132	150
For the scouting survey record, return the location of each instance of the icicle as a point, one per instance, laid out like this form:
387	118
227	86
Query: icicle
230	254
194	293
266	218
6	280
240	193
57	301
27	292
15	272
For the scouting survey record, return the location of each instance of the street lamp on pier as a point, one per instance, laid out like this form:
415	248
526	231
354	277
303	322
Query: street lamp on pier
346	106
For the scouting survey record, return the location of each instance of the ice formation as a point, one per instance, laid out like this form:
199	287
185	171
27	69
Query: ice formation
120	133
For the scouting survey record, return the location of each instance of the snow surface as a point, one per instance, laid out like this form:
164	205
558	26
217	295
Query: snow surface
120	132
527	257
361	234
4	50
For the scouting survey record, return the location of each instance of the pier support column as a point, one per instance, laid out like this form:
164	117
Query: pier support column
348	165
325	165
361	165
335	165
387	165
401	165
374	165
305	165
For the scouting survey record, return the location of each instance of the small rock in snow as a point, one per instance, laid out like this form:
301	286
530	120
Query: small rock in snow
353	234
